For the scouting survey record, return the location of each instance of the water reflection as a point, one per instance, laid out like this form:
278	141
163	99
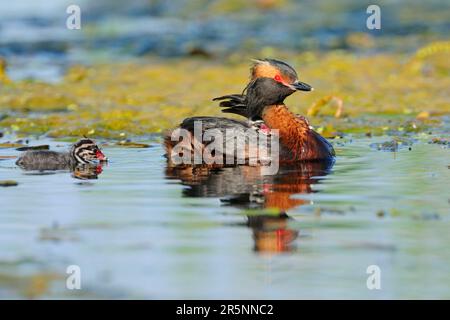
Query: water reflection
266	198
87	171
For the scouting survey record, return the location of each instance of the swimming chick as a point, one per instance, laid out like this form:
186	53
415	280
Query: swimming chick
84	151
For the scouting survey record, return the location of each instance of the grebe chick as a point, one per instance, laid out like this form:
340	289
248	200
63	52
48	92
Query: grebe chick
84	151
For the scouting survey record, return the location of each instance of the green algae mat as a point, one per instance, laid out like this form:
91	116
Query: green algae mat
369	94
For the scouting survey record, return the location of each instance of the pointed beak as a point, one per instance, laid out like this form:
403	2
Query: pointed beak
100	156
301	86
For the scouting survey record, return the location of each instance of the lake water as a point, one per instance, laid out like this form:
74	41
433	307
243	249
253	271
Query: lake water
142	231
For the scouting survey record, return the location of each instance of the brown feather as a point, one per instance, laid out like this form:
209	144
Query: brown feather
296	137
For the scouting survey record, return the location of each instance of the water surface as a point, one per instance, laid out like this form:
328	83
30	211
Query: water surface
142	231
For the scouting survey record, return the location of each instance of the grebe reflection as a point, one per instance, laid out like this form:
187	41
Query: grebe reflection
267	198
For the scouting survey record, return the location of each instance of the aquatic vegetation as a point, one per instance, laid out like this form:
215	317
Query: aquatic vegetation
334	102
7	157
11	145
3	76
57	233
392	145
442	141
131	144
40	147
32	286
353	94
8	183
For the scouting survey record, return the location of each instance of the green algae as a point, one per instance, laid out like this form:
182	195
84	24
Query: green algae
393	145
11	145
353	94
8	183
131	144
32	286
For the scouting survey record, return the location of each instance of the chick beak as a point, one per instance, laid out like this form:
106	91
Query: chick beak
100	156
301	86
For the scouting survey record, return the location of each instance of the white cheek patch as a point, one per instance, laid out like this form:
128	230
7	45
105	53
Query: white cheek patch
85	155
79	159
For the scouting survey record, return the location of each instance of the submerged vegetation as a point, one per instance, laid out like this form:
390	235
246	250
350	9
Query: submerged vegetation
360	94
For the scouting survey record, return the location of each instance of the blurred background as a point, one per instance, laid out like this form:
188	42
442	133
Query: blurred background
155	62
34	32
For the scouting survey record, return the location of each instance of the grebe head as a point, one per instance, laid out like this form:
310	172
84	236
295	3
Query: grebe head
280	72
264	92
86	151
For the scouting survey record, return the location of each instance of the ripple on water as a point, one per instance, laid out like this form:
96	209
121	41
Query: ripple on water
310	231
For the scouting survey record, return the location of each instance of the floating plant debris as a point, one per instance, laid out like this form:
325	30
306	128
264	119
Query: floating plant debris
7	157
392	145
41	147
11	145
130	144
8	183
442	141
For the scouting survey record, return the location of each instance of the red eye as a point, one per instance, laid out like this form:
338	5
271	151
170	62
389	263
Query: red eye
277	78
